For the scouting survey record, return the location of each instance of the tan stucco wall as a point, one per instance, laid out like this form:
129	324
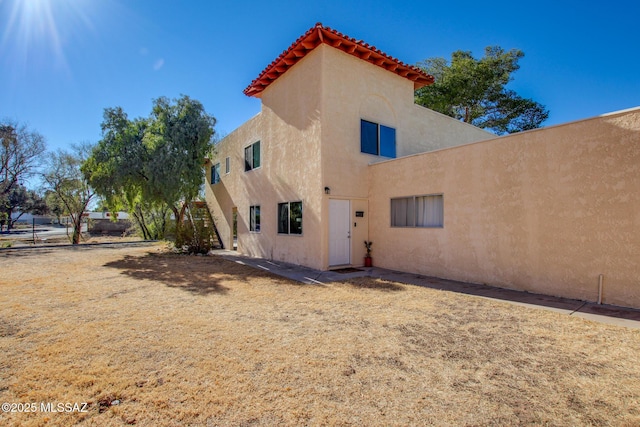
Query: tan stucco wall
545	211
288	129
232	190
352	90
309	129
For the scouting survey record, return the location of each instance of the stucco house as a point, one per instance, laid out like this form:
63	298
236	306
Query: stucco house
340	154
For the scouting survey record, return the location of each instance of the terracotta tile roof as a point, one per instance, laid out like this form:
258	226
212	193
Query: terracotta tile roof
321	34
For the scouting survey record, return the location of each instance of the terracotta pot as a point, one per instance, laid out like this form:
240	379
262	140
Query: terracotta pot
367	261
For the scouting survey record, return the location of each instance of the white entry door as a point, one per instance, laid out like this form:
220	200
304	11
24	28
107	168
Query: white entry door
339	232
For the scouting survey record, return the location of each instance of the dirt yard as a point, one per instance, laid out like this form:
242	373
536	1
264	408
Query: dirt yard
150	338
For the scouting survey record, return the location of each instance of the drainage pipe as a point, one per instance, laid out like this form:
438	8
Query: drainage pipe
600	279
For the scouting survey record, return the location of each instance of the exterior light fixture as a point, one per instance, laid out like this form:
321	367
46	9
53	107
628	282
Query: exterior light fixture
327	190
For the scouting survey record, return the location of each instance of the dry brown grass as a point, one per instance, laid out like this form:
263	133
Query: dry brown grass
183	340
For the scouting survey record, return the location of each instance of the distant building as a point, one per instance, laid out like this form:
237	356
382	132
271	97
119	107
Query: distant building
27	218
106	215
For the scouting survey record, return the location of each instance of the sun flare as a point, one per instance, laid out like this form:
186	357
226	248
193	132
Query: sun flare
36	31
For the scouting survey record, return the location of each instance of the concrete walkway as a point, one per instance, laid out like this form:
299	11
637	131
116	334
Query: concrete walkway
603	313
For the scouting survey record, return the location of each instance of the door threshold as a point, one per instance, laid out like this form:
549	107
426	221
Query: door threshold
338	267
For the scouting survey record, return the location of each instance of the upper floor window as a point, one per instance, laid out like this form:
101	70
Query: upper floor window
290	218
418	211
215	173
227	165
377	139
252	156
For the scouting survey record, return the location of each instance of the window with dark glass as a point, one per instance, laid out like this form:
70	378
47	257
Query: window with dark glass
254	218
377	139
227	165
252	156
295	218
290	218
215	173
387	142
368	137
283	218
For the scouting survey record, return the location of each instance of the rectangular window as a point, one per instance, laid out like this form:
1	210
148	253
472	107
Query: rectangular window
402	212
418	211
368	137
215	173
429	211
387	142
283	218
252	156
290	218
377	139
254	218
227	165
248	158
295	218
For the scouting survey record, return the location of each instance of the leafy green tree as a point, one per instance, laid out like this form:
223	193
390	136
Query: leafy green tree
20	200
153	166
21	153
70	185
115	164
474	91
54	205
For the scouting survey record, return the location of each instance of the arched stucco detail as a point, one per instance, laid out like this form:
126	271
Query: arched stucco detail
378	109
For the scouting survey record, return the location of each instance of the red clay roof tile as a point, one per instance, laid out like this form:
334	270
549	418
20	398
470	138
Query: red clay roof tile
319	34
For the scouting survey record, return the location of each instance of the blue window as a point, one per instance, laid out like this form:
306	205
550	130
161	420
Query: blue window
377	139
368	137
215	173
387	142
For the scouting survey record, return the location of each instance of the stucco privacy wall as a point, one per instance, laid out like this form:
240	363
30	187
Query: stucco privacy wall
545	211
288	129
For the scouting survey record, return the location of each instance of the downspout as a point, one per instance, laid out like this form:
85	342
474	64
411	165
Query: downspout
600	279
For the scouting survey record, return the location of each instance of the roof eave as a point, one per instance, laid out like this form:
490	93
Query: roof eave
320	34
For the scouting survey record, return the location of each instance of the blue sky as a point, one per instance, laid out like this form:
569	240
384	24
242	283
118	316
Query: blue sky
63	61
